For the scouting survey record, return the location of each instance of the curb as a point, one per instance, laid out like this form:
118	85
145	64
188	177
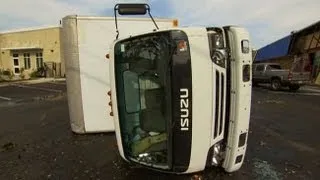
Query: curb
33	81
313	87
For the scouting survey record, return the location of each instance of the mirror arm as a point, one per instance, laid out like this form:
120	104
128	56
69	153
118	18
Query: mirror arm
116	21
154	22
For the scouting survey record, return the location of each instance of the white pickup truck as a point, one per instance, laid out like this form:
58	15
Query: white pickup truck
274	74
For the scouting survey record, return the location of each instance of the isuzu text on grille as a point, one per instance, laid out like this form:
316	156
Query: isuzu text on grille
184	109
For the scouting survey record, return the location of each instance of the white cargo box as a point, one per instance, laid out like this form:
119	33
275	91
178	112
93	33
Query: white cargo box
85	42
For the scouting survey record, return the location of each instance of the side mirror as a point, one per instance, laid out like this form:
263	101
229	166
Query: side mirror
132	9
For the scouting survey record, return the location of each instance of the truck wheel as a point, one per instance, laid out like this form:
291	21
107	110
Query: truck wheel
294	87
275	84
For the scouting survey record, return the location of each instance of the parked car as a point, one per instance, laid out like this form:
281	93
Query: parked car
278	77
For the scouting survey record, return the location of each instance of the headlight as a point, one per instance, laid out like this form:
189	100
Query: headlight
219	57
216	149
218	52
216	155
217	41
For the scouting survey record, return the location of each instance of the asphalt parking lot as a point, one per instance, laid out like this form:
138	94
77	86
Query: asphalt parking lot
36	141
19	92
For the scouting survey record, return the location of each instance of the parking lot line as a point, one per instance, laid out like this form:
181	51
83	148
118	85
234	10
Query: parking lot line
296	93
58	82
5	98
39	88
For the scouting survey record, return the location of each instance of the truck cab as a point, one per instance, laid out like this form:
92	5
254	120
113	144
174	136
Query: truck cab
181	98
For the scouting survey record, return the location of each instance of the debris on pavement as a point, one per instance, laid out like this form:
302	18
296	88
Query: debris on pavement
264	171
8	146
262	143
196	177
274	102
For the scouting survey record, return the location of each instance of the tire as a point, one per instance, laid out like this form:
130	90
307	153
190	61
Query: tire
294	87
275	84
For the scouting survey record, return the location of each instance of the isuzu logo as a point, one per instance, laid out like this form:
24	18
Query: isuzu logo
184	109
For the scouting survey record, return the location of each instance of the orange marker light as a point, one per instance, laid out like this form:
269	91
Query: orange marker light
175	23
110	103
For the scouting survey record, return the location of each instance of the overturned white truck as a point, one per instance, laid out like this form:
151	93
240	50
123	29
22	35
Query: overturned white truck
86	40
181	97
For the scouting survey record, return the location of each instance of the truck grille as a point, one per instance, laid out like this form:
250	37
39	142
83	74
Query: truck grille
219	104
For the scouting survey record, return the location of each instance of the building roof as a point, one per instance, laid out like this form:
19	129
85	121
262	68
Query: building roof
28	29
276	49
297	35
283	46
308	28
21	48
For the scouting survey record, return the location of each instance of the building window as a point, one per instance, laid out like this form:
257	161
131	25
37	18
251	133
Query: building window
16	65
16	62
27	62
39	59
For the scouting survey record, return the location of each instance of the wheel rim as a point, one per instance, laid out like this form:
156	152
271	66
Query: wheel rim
275	85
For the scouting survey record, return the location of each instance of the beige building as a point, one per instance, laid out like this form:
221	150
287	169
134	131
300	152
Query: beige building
302	45
25	53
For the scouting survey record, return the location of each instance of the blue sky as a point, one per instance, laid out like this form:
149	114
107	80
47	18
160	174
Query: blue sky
266	21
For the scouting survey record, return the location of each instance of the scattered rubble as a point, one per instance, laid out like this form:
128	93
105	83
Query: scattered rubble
8	147
264	171
262	143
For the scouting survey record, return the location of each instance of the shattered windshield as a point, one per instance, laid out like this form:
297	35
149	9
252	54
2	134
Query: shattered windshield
143	92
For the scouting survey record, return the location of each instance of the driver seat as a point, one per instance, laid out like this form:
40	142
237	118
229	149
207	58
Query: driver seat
152	118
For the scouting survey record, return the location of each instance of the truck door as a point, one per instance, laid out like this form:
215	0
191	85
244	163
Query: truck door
240	79
259	71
